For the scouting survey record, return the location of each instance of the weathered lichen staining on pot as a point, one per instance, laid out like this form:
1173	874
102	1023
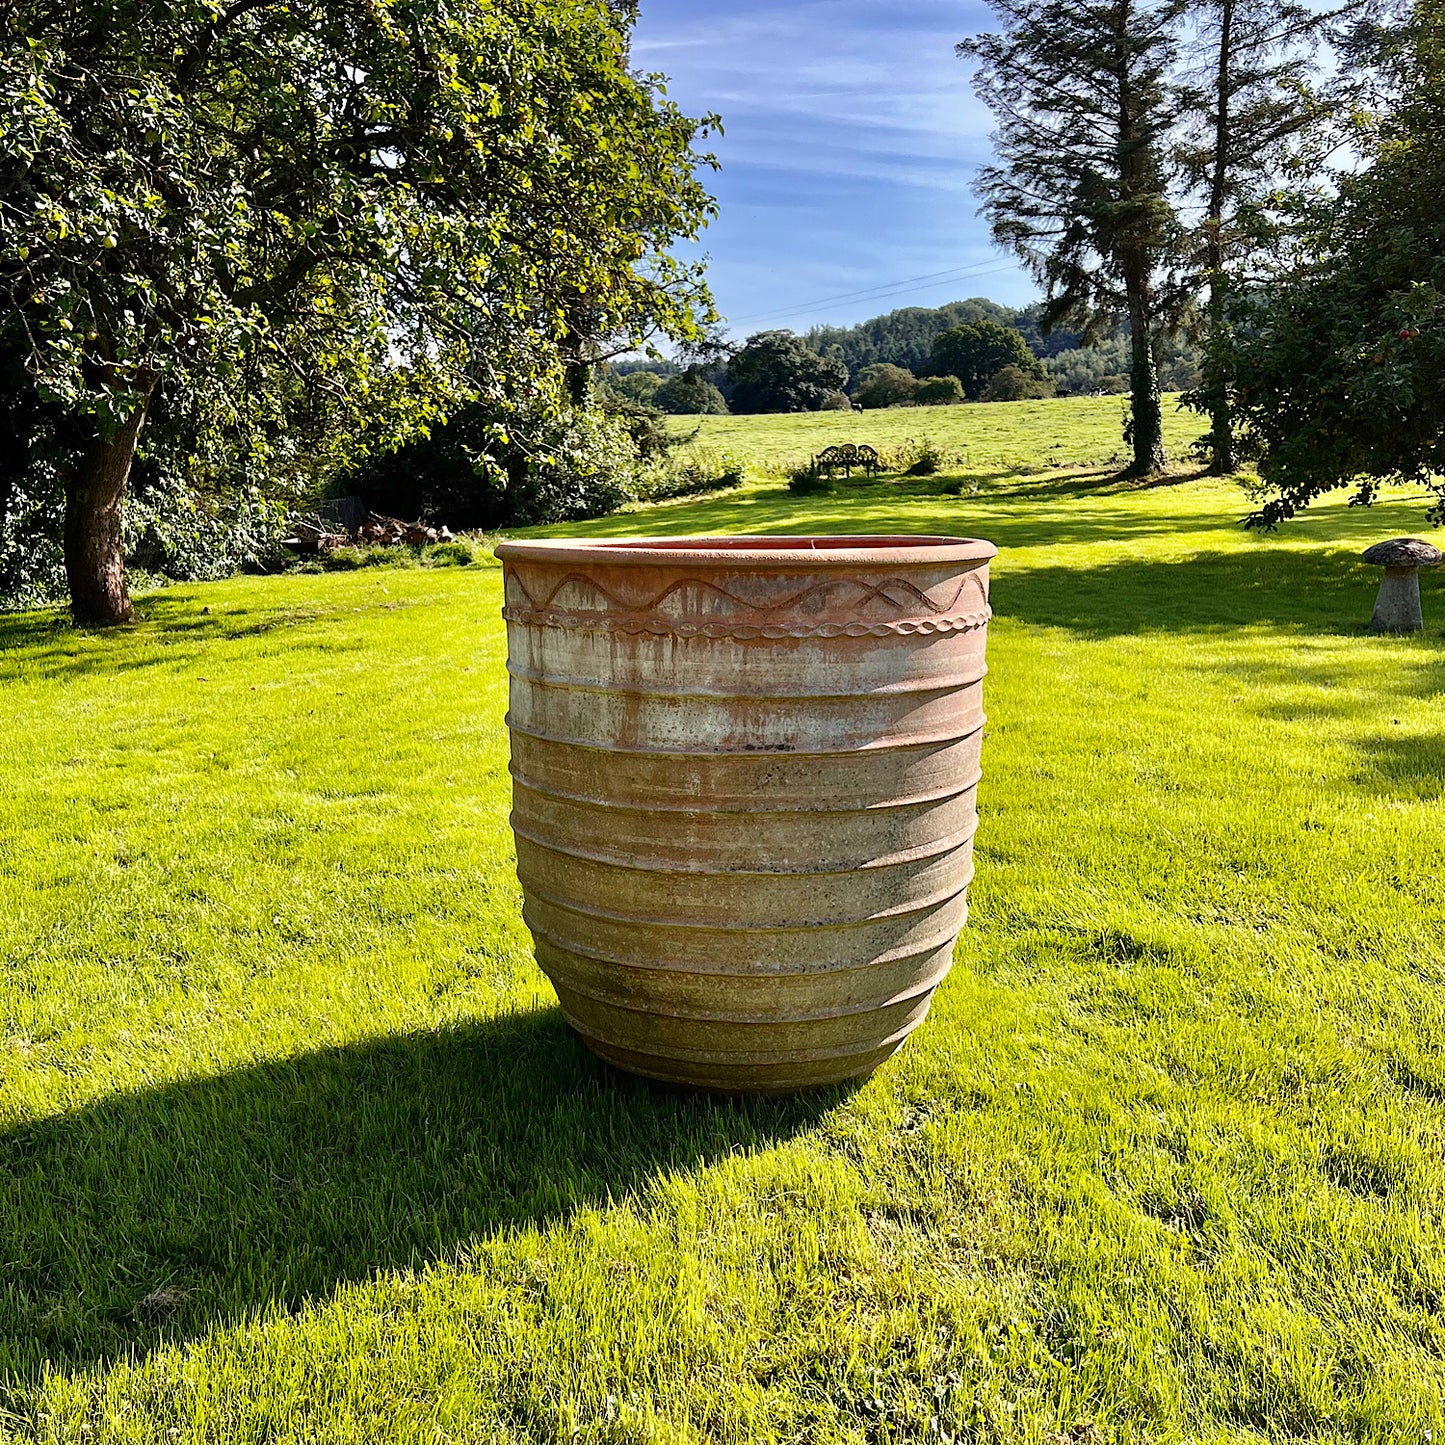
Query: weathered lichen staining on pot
745	775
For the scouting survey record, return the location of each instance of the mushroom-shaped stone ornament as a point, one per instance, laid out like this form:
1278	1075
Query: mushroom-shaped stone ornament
1397	608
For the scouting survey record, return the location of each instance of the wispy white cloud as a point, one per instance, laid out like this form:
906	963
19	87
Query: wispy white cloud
851	142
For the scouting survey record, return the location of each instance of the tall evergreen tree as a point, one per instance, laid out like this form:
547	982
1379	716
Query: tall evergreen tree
1377	44
1248	107
1083	104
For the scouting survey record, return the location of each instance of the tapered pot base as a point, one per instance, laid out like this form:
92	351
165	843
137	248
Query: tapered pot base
734	1080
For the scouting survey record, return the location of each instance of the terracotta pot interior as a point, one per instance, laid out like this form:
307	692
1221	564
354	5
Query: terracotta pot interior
776	544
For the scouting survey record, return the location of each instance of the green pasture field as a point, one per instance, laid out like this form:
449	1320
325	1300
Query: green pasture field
1000	439
295	1148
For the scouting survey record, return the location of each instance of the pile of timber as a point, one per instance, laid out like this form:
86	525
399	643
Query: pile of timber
391	532
325	533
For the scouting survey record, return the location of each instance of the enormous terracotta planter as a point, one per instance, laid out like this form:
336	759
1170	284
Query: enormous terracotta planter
745	774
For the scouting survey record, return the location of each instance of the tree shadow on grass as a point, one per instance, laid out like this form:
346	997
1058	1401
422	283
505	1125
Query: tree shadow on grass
1327	593
1404	768
169	631
883	509
1045	529
153	1216
1040	485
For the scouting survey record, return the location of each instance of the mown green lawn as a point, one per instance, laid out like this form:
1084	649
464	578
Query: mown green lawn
295	1148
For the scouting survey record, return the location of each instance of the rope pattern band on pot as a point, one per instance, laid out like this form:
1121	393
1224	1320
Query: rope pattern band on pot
744	631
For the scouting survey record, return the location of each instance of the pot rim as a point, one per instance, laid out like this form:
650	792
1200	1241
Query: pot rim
749	550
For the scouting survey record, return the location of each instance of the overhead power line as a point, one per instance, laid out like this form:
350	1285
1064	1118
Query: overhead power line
880	286
891	288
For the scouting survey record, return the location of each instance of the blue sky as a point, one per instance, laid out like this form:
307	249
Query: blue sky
852	139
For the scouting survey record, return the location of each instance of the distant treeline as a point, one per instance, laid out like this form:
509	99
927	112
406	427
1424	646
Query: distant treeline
906	337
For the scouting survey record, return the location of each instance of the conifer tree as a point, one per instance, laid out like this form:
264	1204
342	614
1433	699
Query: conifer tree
1248	107
1079	192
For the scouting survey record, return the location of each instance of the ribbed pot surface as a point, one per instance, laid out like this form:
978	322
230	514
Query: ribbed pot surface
744	792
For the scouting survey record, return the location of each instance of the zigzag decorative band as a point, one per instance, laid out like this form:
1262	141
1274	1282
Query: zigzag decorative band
658	626
888	591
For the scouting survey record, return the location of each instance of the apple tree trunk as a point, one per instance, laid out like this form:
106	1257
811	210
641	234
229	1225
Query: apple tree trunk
94	498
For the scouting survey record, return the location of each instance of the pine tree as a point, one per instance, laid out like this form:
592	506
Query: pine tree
1248	108
1083	105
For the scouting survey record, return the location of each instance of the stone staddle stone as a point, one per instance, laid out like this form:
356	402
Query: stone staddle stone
1397	607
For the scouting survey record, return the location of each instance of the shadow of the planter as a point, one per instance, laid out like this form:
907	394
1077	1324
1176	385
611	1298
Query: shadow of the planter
156	1215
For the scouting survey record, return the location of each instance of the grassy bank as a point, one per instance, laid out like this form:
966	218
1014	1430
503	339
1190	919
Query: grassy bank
294	1146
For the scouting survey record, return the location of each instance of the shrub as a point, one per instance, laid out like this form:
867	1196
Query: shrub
928	459
1011	383
884	384
836	401
170	532
918	457
582	464
459	553
32	568
175	533
940	391
352	559
446	476
553	466
691	473
808	481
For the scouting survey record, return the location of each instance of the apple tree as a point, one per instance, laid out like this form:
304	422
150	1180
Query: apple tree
234	230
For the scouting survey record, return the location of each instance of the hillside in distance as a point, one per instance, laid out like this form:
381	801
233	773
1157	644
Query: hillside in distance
905	338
